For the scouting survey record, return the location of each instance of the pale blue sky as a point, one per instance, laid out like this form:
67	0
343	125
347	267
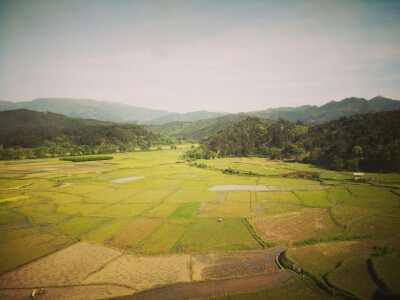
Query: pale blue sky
193	55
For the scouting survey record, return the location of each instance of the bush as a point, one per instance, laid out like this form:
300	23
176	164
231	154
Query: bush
86	158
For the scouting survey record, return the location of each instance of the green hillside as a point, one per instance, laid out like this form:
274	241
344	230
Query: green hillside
365	142
309	114
24	119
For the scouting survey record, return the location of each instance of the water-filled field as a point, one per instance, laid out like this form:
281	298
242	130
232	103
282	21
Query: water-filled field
174	217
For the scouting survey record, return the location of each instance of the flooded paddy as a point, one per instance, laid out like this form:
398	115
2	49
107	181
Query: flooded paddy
127	179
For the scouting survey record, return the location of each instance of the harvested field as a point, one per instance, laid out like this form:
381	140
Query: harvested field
296	288
71	292
65	267
235	264
211	288
296	226
143	272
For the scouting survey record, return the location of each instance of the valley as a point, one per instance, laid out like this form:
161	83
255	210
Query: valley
166	227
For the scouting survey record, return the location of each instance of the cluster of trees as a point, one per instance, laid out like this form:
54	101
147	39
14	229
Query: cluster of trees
79	141
366	142
253	136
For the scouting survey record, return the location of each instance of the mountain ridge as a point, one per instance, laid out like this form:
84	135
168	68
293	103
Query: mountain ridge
117	112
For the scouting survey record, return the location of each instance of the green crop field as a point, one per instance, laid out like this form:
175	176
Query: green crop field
330	224
353	275
207	235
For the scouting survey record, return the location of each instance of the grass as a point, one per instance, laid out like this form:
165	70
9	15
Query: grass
353	276
375	226
22	250
163	240
136	231
110	195
193	196
44	204
77	226
226	209
388	270
338	194
314	198
288	197
372	196
186	210
105	232
161	211
209	235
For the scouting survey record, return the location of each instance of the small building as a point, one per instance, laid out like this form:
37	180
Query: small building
296	269
358	176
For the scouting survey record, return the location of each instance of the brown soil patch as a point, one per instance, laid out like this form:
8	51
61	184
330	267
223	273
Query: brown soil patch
65	267
73	292
296	226
144	272
211	288
235	264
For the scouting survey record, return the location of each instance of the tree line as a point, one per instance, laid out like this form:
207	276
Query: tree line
366	142
79	141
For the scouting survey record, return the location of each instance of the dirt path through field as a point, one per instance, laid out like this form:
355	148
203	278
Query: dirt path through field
211	288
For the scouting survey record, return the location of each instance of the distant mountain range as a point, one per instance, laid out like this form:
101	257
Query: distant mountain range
105	111
330	111
194	125
309	114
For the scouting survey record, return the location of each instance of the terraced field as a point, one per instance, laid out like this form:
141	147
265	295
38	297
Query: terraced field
169	224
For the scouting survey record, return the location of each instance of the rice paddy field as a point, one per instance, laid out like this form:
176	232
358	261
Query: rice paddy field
150	219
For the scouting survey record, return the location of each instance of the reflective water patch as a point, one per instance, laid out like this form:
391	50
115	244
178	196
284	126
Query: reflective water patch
122	180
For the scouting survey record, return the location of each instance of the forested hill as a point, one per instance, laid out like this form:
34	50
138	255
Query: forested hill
197	130
366	142
94	136
310	114
24	119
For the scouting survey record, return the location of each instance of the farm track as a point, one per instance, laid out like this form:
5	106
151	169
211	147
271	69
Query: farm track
211	288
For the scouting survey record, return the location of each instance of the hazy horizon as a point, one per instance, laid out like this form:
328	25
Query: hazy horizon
182	56
228	112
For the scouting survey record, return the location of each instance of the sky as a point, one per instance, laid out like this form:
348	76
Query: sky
229	56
